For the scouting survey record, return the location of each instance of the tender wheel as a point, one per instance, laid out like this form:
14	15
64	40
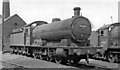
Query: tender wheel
49	58
112	58
97	56
34	55
23	52
20	52
87	59
75	59
61	60
41	57
13	51
57	60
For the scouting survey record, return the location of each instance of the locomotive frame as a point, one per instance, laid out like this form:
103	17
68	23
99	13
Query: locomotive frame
23	45
64	51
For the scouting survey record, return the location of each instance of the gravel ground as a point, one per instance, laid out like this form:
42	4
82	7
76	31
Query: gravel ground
36	64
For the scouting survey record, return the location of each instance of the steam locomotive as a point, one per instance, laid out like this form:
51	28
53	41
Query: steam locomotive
61	41
109	41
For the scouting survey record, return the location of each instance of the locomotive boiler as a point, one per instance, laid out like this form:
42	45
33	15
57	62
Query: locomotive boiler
77	28
115	34
61	41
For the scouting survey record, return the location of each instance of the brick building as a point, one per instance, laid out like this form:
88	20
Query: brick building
10	23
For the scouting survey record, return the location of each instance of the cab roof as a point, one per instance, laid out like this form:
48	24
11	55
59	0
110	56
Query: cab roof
108	25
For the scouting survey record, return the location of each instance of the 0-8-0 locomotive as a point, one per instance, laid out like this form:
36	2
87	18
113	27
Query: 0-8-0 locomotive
62	40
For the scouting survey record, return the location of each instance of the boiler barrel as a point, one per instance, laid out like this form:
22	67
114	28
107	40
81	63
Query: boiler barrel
115	35
115	32
78	28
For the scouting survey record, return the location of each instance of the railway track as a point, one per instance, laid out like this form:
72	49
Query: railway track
80	65
11	65
87	66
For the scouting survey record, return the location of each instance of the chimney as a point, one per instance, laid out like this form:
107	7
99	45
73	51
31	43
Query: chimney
6	9
77	11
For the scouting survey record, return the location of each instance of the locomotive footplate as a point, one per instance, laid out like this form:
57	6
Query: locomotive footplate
59	54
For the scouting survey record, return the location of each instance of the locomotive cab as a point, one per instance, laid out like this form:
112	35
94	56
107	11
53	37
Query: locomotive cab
109	40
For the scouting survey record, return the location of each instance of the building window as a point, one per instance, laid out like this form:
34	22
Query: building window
102	33
15	24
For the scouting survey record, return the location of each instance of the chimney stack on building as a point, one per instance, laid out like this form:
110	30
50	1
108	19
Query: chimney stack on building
6	9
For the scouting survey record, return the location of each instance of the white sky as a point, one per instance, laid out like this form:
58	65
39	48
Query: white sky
98	11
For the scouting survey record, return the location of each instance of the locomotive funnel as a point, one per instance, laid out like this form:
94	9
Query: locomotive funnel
6	9
77	11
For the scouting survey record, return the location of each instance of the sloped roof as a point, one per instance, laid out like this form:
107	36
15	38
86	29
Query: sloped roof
9	23
108	25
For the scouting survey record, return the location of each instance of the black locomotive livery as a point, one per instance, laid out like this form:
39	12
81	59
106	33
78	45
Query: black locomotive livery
62	40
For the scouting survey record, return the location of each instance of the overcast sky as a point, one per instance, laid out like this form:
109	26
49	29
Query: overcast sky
99	12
